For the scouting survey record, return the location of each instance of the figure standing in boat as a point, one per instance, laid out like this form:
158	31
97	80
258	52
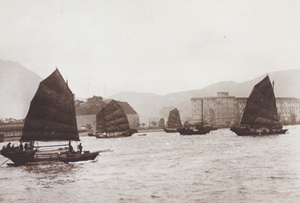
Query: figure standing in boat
51	118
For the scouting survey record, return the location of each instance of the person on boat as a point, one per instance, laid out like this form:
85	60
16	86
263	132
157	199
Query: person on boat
71	150
26	147
21	146
31	146
8	145
80	148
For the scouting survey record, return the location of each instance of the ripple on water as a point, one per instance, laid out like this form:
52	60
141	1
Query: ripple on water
161	167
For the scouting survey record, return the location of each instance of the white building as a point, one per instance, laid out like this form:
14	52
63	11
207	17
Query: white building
225	111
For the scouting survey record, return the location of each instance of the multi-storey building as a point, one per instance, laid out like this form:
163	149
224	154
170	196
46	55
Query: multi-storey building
225	111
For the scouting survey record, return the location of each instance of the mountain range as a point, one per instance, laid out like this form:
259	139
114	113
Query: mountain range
17	87
19	84
155	106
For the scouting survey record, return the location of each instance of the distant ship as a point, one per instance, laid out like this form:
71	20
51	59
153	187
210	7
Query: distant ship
51	118
174	121
260	116
116	119
194	129
197	128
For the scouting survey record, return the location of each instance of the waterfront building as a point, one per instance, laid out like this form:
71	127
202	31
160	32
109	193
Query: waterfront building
11	131
226	111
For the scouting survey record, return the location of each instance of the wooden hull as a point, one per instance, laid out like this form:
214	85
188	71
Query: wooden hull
170	130
247	132
213	128
20	157
116	134
113	136
185	131
74	157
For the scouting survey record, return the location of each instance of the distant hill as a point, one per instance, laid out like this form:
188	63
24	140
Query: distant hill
147	105
17	87
92	106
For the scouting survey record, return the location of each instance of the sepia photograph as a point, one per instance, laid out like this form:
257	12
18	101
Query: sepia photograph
131	101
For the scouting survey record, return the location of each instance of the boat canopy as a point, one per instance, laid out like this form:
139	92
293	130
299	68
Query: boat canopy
112	118
174	120
51	115
261	107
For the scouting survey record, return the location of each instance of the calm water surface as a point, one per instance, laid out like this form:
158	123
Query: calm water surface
161	167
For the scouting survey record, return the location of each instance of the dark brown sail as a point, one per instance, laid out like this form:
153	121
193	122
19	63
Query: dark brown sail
261	106
174	120
51	115
112	118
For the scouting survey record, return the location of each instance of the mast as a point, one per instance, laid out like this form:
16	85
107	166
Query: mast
104	126
275	103
202	116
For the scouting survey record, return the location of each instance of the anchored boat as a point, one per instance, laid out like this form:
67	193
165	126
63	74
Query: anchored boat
196	128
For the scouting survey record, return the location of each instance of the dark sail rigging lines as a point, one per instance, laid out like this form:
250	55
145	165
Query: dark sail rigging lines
196	128
260	116
116	119
51	117
174	121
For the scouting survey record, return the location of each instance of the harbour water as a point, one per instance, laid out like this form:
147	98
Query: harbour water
160	167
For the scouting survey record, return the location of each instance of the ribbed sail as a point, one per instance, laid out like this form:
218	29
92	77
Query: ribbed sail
51	115
261	106
112	118
174	120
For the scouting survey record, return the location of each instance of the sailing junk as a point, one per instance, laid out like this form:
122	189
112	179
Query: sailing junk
51	117
173	122
196	128
116	119
260	116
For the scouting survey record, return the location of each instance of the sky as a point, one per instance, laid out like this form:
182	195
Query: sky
103	47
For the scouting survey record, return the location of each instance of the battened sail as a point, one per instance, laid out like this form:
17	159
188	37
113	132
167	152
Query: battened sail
261	106
174	120
51	115
112	118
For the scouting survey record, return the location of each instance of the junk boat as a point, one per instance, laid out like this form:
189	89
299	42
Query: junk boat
51	118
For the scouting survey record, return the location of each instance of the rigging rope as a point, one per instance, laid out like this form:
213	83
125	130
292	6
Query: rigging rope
4	162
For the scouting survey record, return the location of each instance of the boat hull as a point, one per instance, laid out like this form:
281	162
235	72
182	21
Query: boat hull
184	131
113	136
20	157
75	157
116	134
247	132
170	130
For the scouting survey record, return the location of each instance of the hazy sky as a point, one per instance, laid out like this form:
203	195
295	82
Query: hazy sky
159	46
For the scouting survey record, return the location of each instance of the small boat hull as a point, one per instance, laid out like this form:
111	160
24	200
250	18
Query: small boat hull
185	131
248	132
170	130
116	134
75	157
